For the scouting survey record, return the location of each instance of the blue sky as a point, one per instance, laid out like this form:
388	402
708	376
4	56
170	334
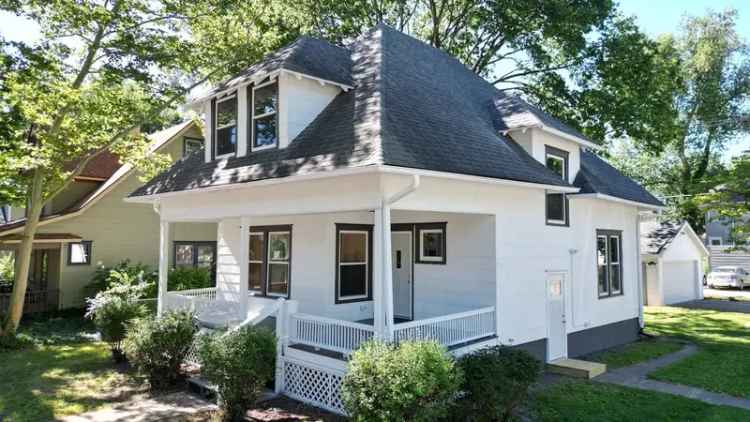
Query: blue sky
654	16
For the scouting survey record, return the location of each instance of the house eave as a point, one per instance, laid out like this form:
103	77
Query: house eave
382	169
616	199
197	103
583	142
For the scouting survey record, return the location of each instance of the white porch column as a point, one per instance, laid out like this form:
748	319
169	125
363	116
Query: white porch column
498	278
243	261
163	265
387	273
378	312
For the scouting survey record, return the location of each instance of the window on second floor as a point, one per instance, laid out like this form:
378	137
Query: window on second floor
226	126
556	202
264	125
191	145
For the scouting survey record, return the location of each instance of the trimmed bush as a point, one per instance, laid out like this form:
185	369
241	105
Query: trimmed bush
112	309
158	346
187	278
496	381
414	381
240	364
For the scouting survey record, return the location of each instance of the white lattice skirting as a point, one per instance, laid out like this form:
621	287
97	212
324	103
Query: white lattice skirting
315	385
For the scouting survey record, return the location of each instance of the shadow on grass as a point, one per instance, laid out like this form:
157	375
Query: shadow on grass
48	382
700	326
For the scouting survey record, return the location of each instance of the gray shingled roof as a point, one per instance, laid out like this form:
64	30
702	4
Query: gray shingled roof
598	176
413	106
305	55
656	236
516	113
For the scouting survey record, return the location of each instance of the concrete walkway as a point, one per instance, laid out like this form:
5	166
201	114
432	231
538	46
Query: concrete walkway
635	376
170	407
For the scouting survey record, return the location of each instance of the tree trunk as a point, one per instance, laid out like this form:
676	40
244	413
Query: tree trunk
23	257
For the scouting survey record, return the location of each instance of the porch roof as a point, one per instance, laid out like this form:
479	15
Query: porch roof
43	238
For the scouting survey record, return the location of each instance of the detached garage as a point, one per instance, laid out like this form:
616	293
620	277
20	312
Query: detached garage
672	256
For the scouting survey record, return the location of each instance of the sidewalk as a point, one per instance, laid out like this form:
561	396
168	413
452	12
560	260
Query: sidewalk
636	376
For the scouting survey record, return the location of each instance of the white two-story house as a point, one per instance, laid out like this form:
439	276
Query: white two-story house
383	190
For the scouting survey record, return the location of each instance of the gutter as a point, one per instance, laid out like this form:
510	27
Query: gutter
616	199
383	169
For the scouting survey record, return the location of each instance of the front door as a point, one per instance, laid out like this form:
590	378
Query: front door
401	250
557	335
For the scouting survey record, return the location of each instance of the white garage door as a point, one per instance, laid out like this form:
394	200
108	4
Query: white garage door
679	281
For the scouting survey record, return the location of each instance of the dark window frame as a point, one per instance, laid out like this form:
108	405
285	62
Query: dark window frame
608	235
353	227
185	140
253	118
88	245
565	156
418	228
195	244
263	292
215	126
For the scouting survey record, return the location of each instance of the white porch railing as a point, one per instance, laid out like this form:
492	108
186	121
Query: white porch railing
189	300
328	333
449	330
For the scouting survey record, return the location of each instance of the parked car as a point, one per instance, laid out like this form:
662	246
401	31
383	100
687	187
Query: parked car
728	277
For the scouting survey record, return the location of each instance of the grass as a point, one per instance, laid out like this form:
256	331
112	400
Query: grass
63	373
633	353
722	363
586	401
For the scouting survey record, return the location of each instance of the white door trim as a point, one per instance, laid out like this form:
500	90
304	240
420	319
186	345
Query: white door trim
563	297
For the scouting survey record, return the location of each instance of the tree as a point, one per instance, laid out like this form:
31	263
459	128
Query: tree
730	200
101	71
710	65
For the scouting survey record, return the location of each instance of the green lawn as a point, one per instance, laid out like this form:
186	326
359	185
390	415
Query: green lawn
62	374
723	362
583	401
633	353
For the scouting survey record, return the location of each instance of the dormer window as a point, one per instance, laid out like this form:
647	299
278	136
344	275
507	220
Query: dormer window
264	123
556	203
226	126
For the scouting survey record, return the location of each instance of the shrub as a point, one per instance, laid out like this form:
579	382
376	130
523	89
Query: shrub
496	381
186	278
240	364
414	381
7	266
158	346
112	309
123	273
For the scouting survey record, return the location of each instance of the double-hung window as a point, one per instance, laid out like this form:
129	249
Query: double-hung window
264	122
609	262
353	262
226	126
270	257
556	202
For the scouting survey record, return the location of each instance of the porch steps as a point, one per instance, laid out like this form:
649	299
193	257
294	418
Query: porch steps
576	368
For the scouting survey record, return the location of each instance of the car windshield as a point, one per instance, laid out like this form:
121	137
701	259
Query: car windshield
725	270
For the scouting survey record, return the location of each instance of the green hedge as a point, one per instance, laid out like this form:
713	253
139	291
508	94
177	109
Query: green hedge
414	381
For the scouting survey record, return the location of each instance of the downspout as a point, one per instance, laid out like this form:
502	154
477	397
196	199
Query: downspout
387	274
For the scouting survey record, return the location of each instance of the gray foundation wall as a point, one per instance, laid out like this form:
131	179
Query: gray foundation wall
603	337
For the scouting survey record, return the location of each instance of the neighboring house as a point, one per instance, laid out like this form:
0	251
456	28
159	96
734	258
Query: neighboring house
89	226
673	257
384	190
722	246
